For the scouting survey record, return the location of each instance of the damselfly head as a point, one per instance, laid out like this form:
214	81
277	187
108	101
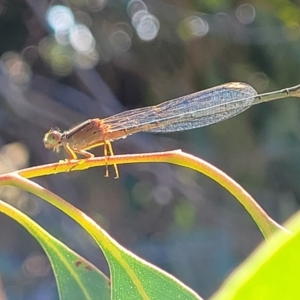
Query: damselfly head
52	139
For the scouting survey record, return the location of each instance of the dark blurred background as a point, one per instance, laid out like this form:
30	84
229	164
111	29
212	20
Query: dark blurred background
63	62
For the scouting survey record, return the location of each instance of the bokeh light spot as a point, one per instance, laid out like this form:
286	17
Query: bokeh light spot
137	17
185	215
245	13
60	18
162	195
142	192
82	39
17	70
56	55
135	6
36	265
147	28
96	5
120	40
86	60
291	31
197	26
259	80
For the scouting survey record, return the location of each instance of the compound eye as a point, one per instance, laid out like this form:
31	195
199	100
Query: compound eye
52	139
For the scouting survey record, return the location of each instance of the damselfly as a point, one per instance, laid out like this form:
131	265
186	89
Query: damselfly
191	111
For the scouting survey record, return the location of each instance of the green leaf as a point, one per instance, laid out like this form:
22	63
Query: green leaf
134	278
272	272
131	277
76	278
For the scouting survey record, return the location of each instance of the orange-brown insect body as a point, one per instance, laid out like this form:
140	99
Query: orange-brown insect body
85	136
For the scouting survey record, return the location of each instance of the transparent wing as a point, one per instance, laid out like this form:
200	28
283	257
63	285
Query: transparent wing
192	111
